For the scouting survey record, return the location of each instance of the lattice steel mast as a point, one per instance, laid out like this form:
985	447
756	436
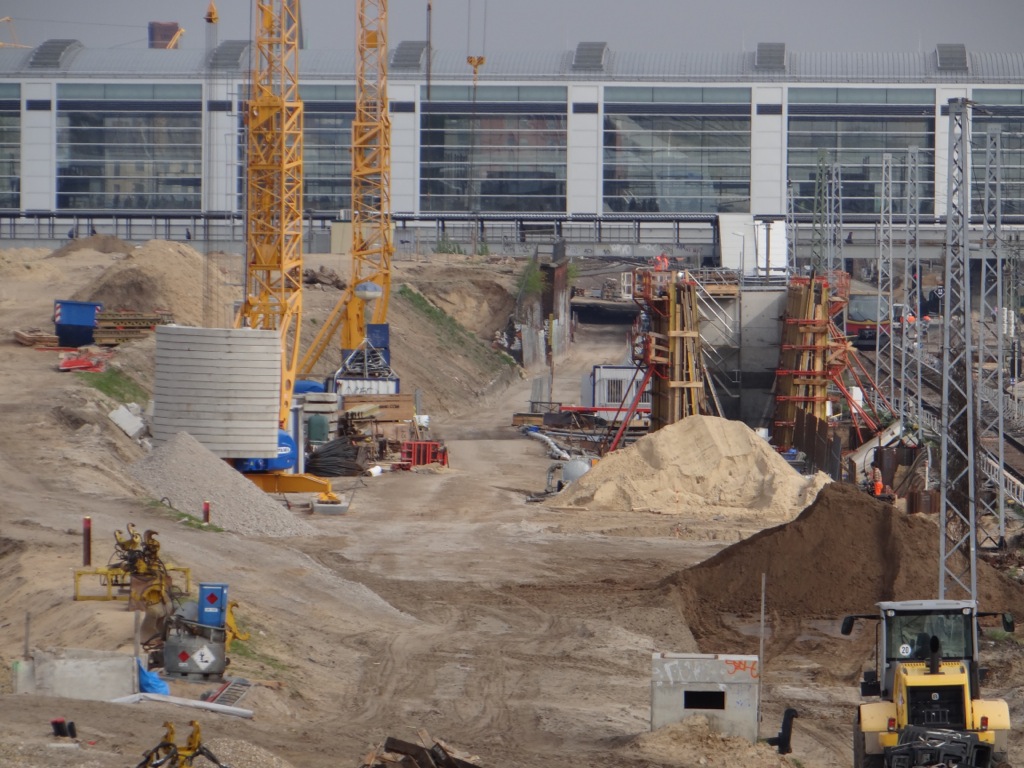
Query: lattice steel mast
911	400
883	341
991	344
958	542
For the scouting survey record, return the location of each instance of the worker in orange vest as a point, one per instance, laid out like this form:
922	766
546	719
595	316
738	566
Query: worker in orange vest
661	263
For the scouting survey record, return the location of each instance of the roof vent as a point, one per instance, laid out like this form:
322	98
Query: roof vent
229	55
409	55
589	57
770	56
951	56
52	54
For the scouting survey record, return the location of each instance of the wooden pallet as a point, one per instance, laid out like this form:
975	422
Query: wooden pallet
36	337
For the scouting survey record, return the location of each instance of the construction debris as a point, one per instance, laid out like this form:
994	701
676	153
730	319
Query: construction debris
404	753
323	276
35	337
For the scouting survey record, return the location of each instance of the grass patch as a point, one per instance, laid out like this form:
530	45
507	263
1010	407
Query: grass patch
453	335
115	385
532	280
187	520
243	649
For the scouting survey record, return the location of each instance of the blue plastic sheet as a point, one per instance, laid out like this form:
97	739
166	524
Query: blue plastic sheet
151	682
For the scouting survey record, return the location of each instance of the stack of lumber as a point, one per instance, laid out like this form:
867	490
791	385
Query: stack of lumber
117	326
35	337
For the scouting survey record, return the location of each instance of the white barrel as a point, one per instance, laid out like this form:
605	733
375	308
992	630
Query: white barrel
222	386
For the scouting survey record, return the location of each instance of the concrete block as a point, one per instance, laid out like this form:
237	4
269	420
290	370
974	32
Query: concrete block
131	424
722	688
77	674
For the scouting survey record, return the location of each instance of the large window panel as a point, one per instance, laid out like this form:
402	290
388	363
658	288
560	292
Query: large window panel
677	158
10	152
327	156
1000	110
133	146
823	127
493	157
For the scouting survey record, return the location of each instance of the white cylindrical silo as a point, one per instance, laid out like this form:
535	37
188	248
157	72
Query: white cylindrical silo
222	386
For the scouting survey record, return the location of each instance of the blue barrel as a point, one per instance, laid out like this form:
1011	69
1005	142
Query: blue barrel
213	604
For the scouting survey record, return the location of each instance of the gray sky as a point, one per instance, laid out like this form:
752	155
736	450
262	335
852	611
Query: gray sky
479	26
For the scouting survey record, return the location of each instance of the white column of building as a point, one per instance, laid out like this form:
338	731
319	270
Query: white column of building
584	186
942	97
405	158
38	147
768	151
221	137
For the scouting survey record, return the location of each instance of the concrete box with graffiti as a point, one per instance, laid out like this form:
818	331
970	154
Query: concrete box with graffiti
722	688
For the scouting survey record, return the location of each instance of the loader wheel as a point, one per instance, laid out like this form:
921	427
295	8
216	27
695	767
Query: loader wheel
860	758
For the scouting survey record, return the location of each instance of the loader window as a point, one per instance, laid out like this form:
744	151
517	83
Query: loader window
909	635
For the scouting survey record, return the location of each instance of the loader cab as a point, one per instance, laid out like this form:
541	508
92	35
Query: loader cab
906	633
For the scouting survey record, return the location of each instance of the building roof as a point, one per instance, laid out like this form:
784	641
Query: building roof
949	63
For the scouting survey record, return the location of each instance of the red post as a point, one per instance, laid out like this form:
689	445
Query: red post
86	541
206	512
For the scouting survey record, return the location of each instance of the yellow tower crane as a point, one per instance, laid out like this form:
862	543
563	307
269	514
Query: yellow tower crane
273	117
273	287
372	245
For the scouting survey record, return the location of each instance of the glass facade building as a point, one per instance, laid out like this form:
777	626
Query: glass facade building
585	133
1000	110
494	149
854	127
676	150
129	147
328	112
10	146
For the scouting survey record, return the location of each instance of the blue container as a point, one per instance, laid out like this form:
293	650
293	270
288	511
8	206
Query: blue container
75	312
73	321
213	604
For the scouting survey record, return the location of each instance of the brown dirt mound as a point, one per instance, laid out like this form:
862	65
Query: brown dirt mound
163	275
99	243
844	553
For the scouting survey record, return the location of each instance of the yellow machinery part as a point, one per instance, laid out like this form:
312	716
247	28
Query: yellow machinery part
281	482
874	723
232	632
115	581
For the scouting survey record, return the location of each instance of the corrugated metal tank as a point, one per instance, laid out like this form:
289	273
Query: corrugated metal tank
222	386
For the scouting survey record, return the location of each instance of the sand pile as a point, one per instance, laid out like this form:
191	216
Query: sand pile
161	275
843	554
700	466
98	243
186	473
693	743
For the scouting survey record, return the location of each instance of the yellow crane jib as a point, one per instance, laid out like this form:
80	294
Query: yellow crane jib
372	244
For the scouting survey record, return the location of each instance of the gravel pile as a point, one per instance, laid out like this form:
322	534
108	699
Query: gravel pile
185	473
242	753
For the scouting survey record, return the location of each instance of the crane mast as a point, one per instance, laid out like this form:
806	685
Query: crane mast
273	116
372	246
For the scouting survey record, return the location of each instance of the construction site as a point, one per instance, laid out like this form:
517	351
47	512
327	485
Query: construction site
460	506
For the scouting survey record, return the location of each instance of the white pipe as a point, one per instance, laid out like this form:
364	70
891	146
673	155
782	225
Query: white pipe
555	451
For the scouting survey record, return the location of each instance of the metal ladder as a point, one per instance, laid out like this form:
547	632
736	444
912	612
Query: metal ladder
231	692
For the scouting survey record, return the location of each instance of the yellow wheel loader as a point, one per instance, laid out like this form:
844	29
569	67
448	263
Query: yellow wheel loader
925	706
